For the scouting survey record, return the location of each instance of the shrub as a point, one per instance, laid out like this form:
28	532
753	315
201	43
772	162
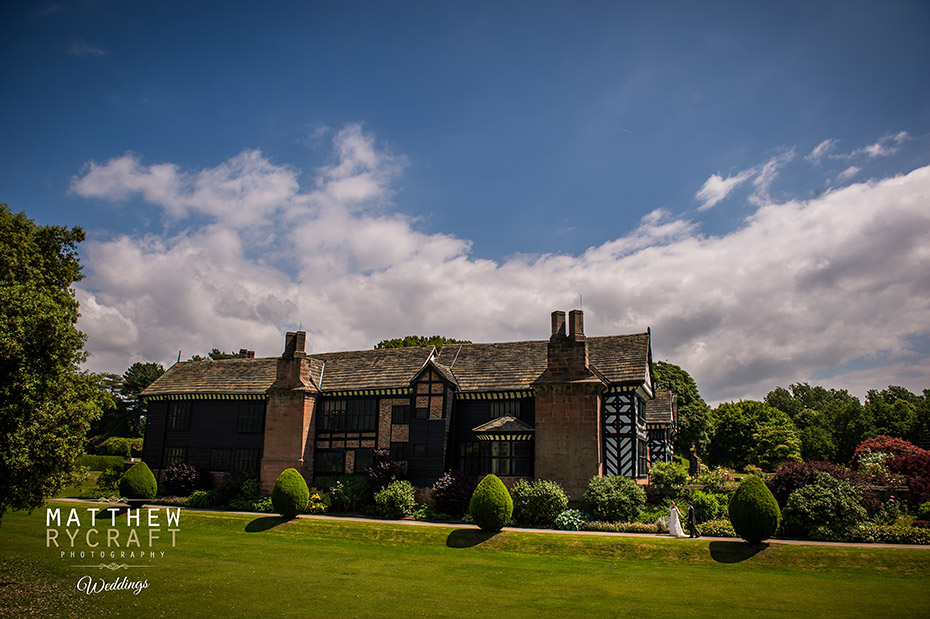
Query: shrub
428	512
203	498
888	534
491	505
349	493
108	480
182	479
100	463
290	493
231	484
706	506
712	479
793	475
452	492
923	512
120	446
318	503
717	528
384	470
826	509
571	520
138	482
395	500
249	489
614	498
754	511
915	466
538	502
668	475
885	444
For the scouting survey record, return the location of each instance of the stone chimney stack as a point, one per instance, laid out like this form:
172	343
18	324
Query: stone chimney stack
293	367
245	353
567	354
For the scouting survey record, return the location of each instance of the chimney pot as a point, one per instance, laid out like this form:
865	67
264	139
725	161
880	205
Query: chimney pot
576	324
558	322
295	343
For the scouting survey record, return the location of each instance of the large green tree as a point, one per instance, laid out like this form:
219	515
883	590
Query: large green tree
823	417
693	411
127	417
46	401
741	429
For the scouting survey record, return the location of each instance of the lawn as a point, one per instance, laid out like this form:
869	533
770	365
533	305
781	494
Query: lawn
246	565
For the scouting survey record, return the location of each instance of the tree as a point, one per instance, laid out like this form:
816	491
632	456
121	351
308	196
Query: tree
127	417
418	340
734	424
893	411
46	401
693	411
215	355
776	441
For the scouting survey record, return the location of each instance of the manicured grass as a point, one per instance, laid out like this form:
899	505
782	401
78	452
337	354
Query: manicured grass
238	565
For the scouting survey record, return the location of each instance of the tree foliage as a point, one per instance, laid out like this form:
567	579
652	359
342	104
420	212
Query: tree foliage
127	417
734	426
46	402
215	355
693	411
419	340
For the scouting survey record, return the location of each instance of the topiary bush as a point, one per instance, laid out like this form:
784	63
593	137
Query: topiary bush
827	509
290	494
538	502
452	492
491	506
614	498
753	511
395	500
668	475
138	482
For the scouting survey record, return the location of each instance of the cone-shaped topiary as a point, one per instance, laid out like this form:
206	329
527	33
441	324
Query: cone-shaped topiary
491	505
290	494
138	482
754	511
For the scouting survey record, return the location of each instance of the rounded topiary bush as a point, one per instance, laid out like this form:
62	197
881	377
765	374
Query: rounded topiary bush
614	498
491	505
754	511
138	482
538	502
290	494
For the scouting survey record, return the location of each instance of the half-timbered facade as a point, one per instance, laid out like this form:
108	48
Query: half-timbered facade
564	409
661	425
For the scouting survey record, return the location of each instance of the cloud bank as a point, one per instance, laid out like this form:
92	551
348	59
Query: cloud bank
798	289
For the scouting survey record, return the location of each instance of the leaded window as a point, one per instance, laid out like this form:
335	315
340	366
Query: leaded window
221	459
179	414
247	460
329	462
505	408
357	415
175	455
400	413
251	417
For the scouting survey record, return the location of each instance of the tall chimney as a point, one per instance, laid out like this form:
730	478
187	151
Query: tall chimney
558	323
567	354
295	344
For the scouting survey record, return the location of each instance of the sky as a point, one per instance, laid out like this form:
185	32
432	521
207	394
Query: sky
750	181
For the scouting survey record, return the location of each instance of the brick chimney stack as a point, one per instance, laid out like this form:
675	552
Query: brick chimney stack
567	354
245	353
295	344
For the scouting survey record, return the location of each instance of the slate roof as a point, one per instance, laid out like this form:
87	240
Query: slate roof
505	366
372	369
663	408
226	376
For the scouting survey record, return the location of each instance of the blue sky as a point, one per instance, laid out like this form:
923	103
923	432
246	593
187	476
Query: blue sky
748	180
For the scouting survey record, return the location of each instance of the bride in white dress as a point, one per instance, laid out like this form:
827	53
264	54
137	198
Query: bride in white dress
674	522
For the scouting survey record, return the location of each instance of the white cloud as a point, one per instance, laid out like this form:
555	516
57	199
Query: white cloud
886	145
716	188
848	174
800	287
821	150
